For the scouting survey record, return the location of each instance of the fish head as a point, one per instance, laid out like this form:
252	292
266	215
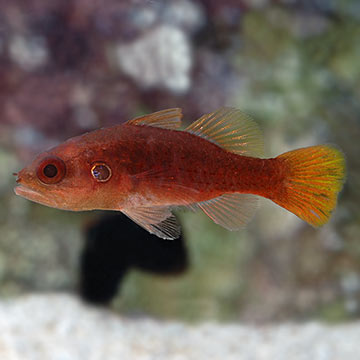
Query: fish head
70	177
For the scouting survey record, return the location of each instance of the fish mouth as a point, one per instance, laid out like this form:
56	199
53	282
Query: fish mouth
30	194
36	196
26	192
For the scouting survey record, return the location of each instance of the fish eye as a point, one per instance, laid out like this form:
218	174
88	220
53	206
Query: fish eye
101	172
51	170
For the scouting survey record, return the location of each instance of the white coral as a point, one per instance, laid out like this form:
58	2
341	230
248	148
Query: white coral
57	327
161	57
28	52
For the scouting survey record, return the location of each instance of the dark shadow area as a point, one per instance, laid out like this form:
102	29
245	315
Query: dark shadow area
114	245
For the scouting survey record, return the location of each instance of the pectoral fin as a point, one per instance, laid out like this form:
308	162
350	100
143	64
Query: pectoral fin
156	220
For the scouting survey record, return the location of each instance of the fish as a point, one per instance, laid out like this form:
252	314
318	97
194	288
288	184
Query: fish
148	166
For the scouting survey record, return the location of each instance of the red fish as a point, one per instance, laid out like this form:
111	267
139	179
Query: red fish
147	166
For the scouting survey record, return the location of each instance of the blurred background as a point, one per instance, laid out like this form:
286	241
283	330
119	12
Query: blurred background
67	67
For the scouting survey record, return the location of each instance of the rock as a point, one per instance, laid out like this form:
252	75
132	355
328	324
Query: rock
162	57
29	53
55	327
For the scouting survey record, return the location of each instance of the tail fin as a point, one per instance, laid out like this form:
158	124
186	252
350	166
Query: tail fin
315	177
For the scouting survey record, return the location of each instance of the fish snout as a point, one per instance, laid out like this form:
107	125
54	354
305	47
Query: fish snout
21	176
18	177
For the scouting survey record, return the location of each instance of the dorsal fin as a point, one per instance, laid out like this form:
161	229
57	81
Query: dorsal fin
232	130
167	119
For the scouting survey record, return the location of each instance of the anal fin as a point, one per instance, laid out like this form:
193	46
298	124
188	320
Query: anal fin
232	211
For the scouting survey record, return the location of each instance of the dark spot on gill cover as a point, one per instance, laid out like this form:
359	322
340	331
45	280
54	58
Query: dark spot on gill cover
101	172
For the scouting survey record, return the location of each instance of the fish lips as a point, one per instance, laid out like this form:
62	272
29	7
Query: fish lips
30	194
26	192
37	196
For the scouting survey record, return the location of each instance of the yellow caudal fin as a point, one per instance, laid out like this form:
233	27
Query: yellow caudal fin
315	175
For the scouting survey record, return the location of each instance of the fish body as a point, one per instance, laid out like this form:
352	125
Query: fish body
146	167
